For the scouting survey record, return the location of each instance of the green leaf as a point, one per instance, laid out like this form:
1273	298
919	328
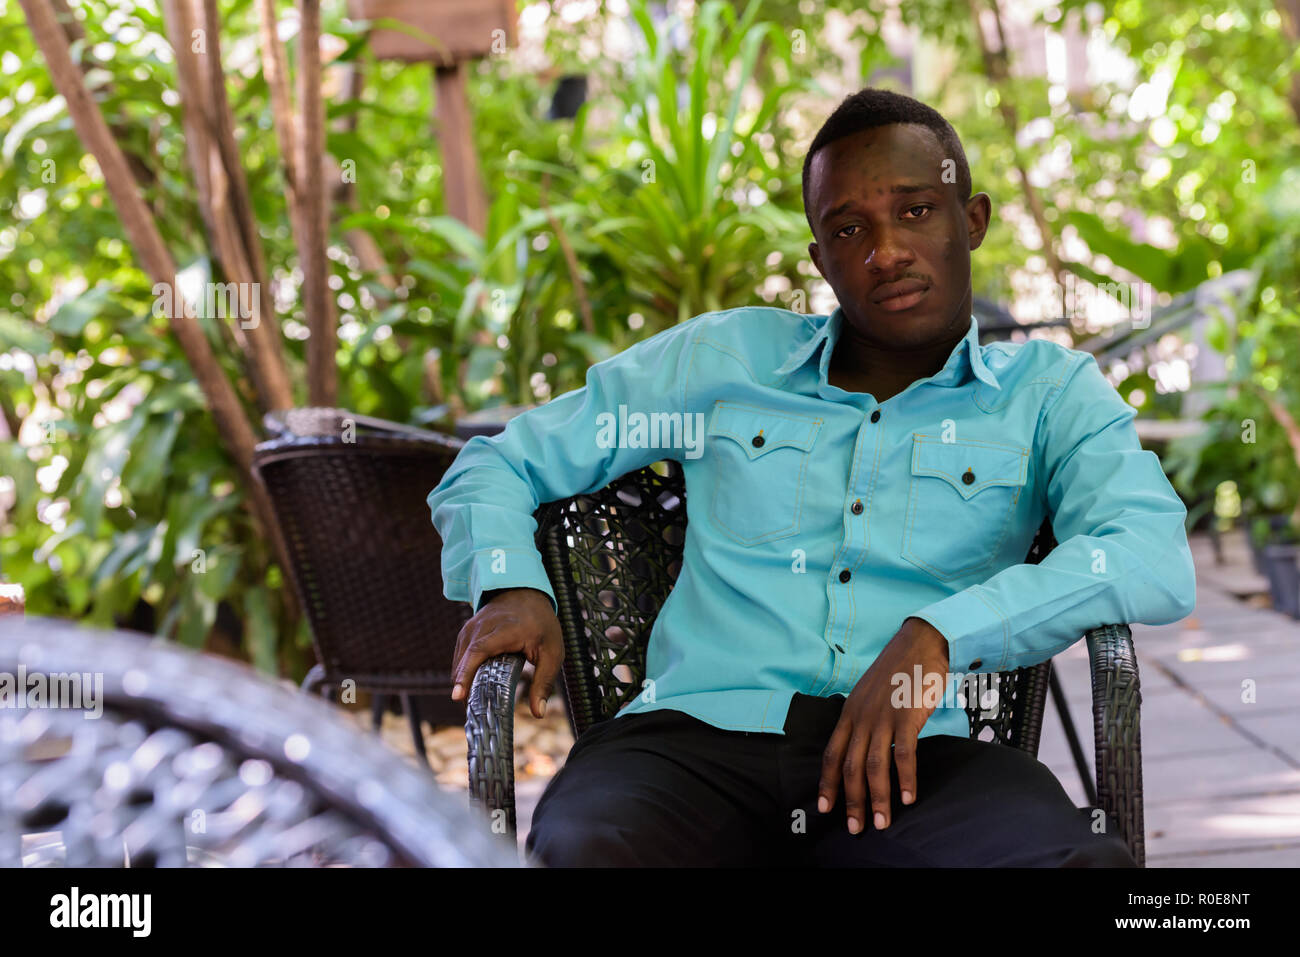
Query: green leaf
22	335
260	638
109	448
197	615
125	546
149	454
73	315
222	565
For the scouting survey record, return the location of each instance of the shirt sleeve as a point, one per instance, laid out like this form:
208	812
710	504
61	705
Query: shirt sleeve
483	506
1122	553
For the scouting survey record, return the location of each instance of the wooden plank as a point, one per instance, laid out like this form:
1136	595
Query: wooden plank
452	29
462	183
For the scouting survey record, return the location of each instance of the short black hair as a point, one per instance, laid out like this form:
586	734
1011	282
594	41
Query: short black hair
869	108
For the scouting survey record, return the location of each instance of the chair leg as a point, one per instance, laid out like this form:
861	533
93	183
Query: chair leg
417	734
378	702
1063	709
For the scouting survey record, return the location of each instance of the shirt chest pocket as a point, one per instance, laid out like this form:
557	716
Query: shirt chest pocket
760	465
961	502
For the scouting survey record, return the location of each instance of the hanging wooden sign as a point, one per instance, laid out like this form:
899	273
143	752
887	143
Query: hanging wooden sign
442	31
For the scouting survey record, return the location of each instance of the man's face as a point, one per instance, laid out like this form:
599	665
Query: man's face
892	238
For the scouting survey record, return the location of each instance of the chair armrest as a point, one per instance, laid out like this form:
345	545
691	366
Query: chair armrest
490	736
1117	730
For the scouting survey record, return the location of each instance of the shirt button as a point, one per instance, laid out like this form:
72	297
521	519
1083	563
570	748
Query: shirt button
845	575
968	476
975	664
857	507
840	649
757	441
875	416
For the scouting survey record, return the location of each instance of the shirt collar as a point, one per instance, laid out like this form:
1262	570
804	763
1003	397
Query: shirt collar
952	372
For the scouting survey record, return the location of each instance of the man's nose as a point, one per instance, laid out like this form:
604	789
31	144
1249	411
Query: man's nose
889	253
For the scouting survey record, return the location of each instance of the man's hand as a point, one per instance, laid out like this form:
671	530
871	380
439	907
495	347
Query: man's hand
870	723
513	620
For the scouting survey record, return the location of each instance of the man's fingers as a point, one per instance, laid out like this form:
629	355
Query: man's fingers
480	649
547	666
905	761
483	634
878	758
832	762
463	639
855	794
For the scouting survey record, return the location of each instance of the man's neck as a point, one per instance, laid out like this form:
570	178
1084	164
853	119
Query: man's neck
861	365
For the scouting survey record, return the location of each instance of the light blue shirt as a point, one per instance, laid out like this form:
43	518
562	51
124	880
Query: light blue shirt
819	519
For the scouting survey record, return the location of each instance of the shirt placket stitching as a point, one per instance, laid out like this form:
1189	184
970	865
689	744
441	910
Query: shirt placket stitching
871	492
833	614
853	608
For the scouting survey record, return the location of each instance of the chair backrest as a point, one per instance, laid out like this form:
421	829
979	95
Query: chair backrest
351	502
146	754
613	556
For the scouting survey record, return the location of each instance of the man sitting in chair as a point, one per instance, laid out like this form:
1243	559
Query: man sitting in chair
862	491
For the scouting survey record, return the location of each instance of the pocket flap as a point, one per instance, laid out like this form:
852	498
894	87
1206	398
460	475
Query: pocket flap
971	466
758	430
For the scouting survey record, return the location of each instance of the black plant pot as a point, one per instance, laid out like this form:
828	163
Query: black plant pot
1257	557
1276	525
1283	577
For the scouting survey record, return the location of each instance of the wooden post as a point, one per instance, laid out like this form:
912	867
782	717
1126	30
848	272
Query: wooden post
461	181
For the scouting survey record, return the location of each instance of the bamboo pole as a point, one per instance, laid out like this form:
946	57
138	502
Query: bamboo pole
202	89
268	353
317	298
276	72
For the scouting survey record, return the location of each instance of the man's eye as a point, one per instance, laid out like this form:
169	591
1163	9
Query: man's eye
920	207
841	232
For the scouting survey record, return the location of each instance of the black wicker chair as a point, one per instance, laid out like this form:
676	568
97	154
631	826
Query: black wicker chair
350	497
612	557
170	758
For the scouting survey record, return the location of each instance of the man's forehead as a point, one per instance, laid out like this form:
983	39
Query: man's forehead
902	149
893	158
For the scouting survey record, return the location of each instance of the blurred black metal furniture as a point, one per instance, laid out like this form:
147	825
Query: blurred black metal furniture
350	497
140	753
612	557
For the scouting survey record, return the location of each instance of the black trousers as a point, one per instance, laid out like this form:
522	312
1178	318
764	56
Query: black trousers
664	789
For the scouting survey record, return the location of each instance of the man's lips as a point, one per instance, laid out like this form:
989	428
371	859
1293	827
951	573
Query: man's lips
902	294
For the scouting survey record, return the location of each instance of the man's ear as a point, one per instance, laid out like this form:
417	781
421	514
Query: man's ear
815	252
979	210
